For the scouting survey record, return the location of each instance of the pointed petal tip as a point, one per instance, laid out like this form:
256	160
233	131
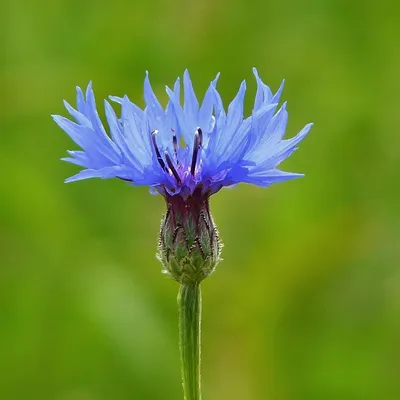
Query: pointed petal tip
80	95
186	77
147	79
278	175
67	159
107	104
115	99
287	176
69	179
89	91
59	120
301	135
307	128
170	93
214	89
296	174
176	83
215	80
125	98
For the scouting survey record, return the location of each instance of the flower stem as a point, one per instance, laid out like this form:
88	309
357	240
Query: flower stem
189	301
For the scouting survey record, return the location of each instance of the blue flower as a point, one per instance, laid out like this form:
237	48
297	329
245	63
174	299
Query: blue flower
182	148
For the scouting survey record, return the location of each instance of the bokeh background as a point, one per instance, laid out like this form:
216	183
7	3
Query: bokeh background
305	305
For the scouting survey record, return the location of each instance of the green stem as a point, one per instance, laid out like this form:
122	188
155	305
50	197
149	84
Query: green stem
189	301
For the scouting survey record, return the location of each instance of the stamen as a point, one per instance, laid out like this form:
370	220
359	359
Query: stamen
160	160
200	132
172	168
198	140
175	142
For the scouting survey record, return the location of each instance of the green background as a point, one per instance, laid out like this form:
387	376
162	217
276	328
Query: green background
305	305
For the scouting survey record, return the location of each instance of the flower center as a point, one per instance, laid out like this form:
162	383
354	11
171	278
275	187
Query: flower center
168	165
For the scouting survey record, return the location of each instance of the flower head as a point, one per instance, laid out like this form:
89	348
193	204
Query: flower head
182	148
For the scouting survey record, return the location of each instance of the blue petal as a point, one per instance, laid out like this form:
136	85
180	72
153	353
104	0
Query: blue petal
93	116
259	123
232	137
186	125
191	105
277	96
152	104
136	110
73	130
274	155
263	94
271	176
220	123
136	139
119	138
104	173
78	158
206	119
80	118
87	139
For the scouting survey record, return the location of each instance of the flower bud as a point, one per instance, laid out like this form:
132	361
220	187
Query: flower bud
189	246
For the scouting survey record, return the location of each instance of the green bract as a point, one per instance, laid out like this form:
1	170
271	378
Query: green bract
189	246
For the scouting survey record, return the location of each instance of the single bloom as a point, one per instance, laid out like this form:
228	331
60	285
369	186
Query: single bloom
182	149
186	153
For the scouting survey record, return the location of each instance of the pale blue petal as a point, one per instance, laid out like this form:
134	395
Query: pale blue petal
191	104
104	173
152	104
263	94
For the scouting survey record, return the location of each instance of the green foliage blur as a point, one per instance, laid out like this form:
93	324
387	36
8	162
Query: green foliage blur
305	305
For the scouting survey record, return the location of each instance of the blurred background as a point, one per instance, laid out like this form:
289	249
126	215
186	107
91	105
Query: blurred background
305	305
